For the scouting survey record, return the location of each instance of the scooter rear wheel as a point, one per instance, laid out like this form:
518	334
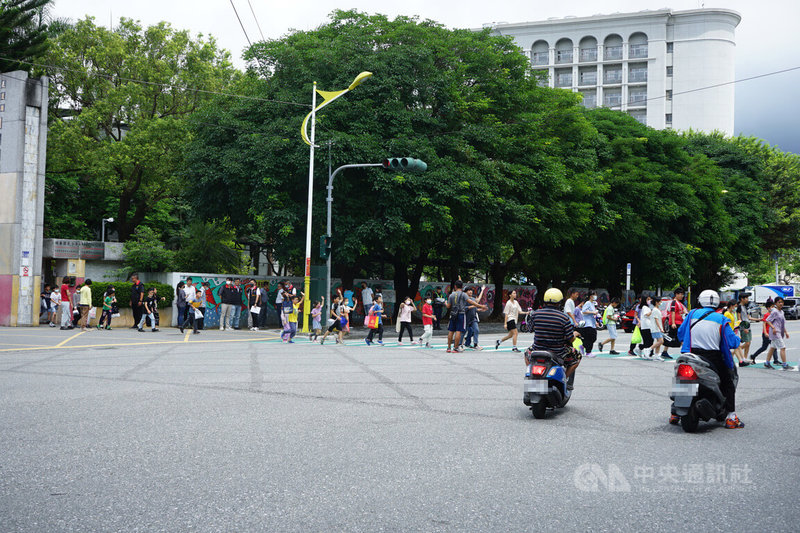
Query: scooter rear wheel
689	421
539	410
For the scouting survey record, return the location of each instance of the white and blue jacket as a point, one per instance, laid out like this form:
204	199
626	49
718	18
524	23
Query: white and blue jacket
713	332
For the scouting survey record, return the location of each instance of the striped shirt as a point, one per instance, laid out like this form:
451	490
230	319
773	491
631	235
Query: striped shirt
552	330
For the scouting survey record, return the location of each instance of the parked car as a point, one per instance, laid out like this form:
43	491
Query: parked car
791	308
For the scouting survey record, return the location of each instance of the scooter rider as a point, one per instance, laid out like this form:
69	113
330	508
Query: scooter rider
554	332
709	335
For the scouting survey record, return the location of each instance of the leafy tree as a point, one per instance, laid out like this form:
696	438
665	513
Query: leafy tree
208	247
23	34
121	105
145	252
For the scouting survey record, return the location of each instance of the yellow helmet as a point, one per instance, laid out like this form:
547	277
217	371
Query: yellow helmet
553	296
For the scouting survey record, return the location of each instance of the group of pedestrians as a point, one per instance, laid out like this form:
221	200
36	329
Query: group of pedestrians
69	304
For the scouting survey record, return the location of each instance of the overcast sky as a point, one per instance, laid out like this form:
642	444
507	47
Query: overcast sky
768	38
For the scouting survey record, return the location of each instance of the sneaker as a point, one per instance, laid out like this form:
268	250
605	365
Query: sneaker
591	354
515	349
108	328
380	342
63	328
459	349
768	365
614	352
733	423
221	328
497	344
787	366
449	350
674	419
743	364
321	342
154	330
399	343
666	357
427	345
99	327
291	342
195	332
142	331
476	347
180	328
369	342
637	352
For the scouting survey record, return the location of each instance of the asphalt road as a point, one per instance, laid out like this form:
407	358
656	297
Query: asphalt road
236	431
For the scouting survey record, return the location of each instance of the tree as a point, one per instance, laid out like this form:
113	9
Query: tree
500	149
121	105
23	34
146	252
208	247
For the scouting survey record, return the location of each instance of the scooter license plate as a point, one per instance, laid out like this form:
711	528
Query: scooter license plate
538	386
685	389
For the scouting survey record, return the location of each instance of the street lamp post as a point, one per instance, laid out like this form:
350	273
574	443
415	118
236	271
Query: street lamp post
103	237
327	97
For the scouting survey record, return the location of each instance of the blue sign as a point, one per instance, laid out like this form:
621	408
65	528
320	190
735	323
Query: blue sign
786	291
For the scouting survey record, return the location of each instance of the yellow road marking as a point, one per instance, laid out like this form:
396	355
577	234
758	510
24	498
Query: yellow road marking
65	341
186	338
255	339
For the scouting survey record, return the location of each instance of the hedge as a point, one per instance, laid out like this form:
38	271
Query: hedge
123	292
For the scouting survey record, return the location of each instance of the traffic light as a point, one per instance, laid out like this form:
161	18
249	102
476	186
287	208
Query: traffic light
324	246
406	164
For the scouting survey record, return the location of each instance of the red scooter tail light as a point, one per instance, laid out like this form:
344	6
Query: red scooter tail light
686	372
538	370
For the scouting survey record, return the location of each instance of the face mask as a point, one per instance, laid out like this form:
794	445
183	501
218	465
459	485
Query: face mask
227	283
594	298
428	301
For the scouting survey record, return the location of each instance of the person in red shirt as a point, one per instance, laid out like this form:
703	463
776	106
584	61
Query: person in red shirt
66	304
427	322
675	313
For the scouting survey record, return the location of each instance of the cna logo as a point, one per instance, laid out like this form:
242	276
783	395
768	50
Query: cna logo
592	478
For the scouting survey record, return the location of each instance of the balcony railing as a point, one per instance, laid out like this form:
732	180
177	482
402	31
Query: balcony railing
564	80
612	100
541	58
590	102
588	54
637	74
589	78
564	56
612	76
637	51
612	52
637	98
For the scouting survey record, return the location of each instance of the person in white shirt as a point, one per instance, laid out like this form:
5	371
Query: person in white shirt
645	326
657	331
404	319
190	291
569	306
512	312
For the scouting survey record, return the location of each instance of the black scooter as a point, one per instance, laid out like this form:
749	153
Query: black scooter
695	392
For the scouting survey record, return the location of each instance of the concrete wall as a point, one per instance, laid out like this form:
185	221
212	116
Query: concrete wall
23	144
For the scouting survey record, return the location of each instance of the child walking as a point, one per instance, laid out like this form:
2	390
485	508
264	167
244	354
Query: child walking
316	320
108	304
377	309
291	319
404	318
149	305
427	322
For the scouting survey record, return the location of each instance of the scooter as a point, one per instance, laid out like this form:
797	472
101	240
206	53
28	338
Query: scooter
546	385
695	392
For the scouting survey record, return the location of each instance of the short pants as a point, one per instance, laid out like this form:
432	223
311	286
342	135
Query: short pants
612	330
511	325
746	334
777	343
656	334
336	325
458	323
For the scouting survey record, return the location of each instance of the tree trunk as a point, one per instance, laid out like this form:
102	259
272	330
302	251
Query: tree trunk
498	271
416	274
400	284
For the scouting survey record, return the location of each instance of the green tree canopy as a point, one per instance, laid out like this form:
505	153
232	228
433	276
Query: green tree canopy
23	33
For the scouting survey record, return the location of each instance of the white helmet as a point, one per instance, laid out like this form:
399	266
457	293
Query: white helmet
708	298
553	296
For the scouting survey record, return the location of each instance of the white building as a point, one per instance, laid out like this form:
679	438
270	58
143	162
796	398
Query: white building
669	69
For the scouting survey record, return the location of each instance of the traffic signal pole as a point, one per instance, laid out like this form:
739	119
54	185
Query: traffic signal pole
328	227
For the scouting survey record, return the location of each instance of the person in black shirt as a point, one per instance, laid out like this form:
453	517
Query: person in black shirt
554	332
137	300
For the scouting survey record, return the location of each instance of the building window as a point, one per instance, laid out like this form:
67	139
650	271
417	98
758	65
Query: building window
541	58
564	79
637	74
588	78
637	96
612	75
589	99
588	54
670	47
669	118
612	99
564	56
669	72
2	84
612	52
669	95
641	116
637	51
